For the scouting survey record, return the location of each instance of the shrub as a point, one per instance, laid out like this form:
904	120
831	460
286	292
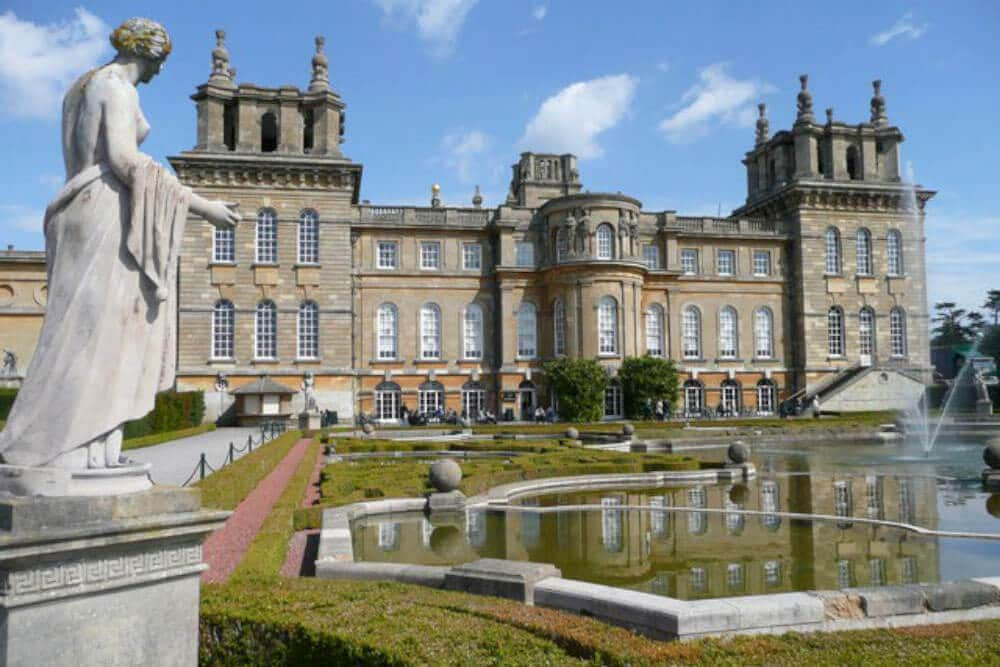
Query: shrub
7	397
646	380
580	386
173	411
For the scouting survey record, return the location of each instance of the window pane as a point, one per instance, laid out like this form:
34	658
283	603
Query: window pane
558	327
762	263
222	330
472	256
525	253
691	333
654	330
864	252
832	251
308	330
387	256
267	237
430	332
386	327
727	262
727	333
430	255
763	334
866	331
308	238
605	242
895	252
897	332
225	246
473	332
689	261
835	332
651	255
607	324
526	332
266	331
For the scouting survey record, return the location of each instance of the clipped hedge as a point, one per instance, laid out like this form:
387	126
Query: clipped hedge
7	397
173	411
228	487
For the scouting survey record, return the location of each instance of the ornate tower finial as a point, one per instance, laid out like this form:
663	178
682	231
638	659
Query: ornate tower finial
763	127
435	196
879	119
477	199
829	115
221	71
321	69
805	100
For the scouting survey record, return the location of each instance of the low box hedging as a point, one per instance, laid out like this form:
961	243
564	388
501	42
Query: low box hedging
226	488
173	410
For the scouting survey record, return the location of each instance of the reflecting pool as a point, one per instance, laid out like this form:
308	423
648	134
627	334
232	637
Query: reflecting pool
691	554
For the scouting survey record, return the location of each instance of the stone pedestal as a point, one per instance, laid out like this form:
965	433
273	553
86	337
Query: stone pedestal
310	421
449	501
102	580
991	479
984	407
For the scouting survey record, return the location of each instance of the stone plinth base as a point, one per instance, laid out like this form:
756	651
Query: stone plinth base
104	580
991	479
452	501
984	407
501	578
310	421
47	481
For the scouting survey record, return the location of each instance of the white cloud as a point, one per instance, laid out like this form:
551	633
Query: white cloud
464	152
904	27
539	12
717	98
18	217
962	253
38	62
437	21
571	120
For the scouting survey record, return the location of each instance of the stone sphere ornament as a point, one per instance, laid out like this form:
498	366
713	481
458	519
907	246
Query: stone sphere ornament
739	494
993	505
628	429
738	453
445	475
572	433
448	542
991	454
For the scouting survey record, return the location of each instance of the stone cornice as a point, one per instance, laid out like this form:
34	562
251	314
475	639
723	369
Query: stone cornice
838	196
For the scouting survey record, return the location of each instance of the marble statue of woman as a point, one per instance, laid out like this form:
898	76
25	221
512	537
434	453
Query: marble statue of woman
112	236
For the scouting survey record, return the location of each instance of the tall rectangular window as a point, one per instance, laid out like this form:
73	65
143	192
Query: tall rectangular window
224	248
762	262
308	324
689	261
525	253
267	237
222	330
308	238
430	255
651	256
727	262
388	255
472	256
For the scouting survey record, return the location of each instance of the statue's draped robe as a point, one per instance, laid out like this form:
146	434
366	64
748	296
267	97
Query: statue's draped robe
107	344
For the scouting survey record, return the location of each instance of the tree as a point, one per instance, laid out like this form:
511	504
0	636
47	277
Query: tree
989	344
646	380
992	304
580	386
976	323
950	328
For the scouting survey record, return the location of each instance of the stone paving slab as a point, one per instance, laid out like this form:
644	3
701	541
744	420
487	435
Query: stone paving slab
500	578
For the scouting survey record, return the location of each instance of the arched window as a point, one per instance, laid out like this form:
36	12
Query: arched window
430	397
853	163
268	132
897	332
387	401
308	237
473	399
832	238
763	333
694	397
864	252
222	330
730	403
728	339
894	250
387	331
430	331
558	327
267	236
308	330
691	333
866	331
266	331
607	325
472	332
766	396
835	332
605	242
654	330
562	245
527	331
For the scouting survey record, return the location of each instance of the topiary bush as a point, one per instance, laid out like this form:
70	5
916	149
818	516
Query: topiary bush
580	386
644	381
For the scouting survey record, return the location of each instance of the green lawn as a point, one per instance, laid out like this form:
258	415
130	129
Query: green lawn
159	438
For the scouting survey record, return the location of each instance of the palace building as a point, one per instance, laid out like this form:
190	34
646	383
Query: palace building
814	286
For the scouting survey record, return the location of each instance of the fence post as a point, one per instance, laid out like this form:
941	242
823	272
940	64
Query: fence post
232	453
201	465
249	443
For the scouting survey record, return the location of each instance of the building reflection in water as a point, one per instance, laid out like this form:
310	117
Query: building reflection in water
694	554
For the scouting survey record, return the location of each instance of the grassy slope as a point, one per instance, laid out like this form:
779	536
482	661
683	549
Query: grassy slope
230	485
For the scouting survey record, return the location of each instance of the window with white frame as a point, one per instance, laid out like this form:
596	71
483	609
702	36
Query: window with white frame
387	330
472	332
472	256
387	401
864	252
605	242
430	255
874	500
267	237
659	520
430	331
308	329
770	503
691	333
763	333
772	573
612	521
762	262
613	400
388	255
697	498
308	237
525	253
473	400
727	262
562	245
607	326
223	315
735	574
730	397
430	398
894	251
835	332
897	332
843	502
728	342
527	331
845	573
651	256
265	331
698	577
832	240
694	397
765	397
224	246
866	331
876	572
558	327
689	261
654	330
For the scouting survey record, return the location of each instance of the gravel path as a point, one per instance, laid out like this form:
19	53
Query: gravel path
225	548
174	461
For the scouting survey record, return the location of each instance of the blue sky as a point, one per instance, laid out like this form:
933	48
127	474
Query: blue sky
656	98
